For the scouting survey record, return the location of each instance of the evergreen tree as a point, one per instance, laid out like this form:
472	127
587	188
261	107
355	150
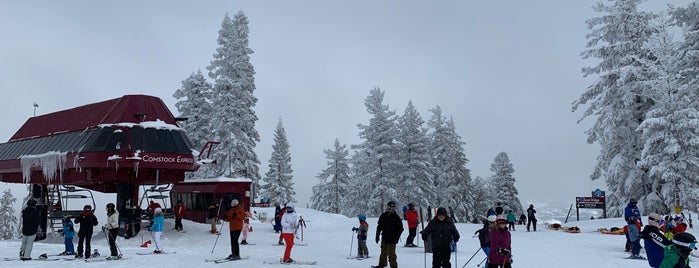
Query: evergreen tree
451	177
279	188
503	182
414	161
481	198
329	194
374	170
194	102
232	96
8	220
617	43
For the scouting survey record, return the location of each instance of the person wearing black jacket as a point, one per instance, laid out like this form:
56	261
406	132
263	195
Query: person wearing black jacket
484	238
389	227
87	221
30	226
442	231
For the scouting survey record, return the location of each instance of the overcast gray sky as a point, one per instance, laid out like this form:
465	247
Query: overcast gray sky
506	71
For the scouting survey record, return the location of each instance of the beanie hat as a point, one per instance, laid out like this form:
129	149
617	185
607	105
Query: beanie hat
234	202
158	210
442	211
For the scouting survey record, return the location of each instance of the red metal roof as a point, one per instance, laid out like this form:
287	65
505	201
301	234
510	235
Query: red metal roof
120	110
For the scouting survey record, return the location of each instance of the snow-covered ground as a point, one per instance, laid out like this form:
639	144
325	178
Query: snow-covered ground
330	241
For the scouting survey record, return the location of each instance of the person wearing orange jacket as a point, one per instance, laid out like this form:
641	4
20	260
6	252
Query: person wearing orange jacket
235	218
179	211
412	218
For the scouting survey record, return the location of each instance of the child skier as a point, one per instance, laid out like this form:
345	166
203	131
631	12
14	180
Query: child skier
157	228
68	234
362	230
484	237
500	245
246	228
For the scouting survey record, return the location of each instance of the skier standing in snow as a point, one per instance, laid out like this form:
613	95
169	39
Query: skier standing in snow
112	227
235	218
389	227
156	227
87	221
179	212
522	219
654	240
630	211
246	228
362	231
511	220
634	238
484	236
498	209
442	231
412	218
531	217
30	226
212	217
500	245
289	224
68	234
677	254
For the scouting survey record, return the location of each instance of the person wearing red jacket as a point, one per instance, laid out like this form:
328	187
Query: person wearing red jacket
179	211
412	218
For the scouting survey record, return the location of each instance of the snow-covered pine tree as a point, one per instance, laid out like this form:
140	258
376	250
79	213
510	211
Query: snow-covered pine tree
233	100
374	163
8	218
481	198
451	177
194	102
503	182
616	42
279	188
415	168
329	194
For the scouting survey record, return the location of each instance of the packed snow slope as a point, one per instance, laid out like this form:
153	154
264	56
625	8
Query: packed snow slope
330	241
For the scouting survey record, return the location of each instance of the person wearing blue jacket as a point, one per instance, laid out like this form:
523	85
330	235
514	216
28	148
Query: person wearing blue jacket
157	228
68	234
654	240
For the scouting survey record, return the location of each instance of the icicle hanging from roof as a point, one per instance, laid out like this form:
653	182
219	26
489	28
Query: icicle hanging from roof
50	162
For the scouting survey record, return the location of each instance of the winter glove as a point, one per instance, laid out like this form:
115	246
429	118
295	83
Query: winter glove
104	228
354	229
377	239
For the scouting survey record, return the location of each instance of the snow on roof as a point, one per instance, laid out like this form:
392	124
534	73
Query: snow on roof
157	124
219	179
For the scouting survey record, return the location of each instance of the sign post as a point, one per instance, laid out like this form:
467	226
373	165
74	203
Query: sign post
596	201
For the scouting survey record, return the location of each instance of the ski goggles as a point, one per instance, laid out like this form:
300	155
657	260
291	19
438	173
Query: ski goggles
692	245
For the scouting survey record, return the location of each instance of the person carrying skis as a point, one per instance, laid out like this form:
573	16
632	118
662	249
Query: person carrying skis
362	231
442	231
68	234
654	241
235	218
30	226
212	217
112	227
289	224
531	217
677	254
389	227
412	218
179	212
500	245
87	221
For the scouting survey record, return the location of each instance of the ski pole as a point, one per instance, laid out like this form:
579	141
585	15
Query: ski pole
479	264
351	243
469	259
217	236
456	260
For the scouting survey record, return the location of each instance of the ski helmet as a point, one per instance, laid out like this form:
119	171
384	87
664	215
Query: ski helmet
234	202
683	239
290	207
411	205
391	204
362	217
110	206
500	218
87	207
633	201
441	211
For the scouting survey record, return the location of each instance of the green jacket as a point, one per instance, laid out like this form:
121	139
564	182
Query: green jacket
511	217
673	258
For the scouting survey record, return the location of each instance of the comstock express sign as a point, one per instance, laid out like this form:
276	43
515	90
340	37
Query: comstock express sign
168	159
